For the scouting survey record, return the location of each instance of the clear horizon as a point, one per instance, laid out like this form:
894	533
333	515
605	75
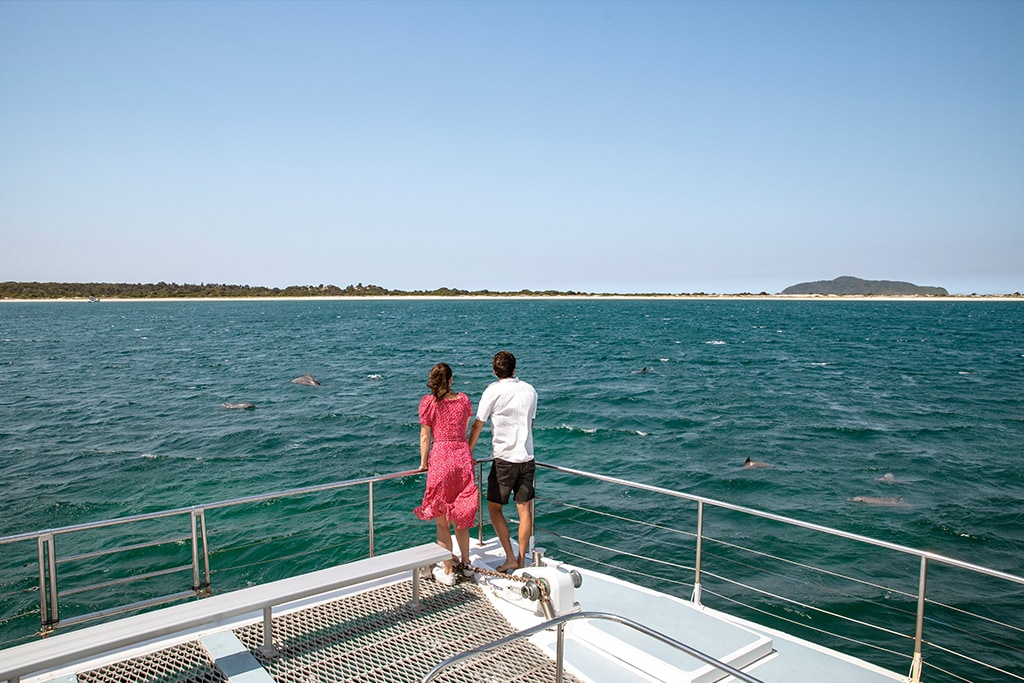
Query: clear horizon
590	146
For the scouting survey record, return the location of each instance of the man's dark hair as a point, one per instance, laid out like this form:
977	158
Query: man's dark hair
504	364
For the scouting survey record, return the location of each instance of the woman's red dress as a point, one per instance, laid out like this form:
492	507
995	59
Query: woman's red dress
451	487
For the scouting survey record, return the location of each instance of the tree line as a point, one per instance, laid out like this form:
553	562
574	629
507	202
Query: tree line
165	290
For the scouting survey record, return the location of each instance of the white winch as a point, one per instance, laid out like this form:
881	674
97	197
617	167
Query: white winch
547	590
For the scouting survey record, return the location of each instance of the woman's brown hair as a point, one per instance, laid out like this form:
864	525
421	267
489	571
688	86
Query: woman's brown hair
440	380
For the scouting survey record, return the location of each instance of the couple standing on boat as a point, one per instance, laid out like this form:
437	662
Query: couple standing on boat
447	455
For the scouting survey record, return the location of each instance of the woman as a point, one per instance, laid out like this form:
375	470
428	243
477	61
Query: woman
451	496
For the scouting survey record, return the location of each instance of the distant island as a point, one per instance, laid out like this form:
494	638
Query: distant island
847	285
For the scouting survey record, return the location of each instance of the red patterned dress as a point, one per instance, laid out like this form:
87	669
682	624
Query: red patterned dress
451	487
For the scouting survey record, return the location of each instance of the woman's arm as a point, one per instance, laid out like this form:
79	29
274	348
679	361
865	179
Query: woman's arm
424	446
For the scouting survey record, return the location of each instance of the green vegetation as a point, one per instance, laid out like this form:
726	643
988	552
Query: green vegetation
164	290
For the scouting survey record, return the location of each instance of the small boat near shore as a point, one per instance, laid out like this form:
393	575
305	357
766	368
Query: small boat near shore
697	600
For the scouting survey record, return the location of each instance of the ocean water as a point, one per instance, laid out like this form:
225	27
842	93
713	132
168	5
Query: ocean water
114	408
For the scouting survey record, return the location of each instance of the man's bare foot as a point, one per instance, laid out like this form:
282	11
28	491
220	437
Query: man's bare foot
508	566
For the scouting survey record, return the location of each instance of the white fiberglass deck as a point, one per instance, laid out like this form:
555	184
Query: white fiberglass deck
766	654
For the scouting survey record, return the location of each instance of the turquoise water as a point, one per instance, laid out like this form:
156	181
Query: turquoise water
114	408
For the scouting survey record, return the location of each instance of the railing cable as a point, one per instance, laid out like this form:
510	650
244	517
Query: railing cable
812	608
621	518
819	587
960	655
626	570
994	622
810	567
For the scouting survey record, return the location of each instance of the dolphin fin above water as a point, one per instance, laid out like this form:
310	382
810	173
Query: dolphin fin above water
754	464
306	379
240	406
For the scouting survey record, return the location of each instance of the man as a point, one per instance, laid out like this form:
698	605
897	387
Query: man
511	406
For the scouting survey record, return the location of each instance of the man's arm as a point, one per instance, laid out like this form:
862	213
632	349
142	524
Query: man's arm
474	433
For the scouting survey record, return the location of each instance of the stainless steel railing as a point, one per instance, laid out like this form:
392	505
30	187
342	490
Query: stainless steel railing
49	561
559	624
195	533
926	559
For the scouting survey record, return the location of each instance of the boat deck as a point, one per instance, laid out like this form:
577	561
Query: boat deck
764	653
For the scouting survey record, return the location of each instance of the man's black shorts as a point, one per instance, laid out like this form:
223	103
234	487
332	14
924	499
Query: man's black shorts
511	477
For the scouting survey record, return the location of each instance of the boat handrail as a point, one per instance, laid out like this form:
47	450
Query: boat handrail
258	498
50	617
319	488
925	557
792	521
559	622
49	610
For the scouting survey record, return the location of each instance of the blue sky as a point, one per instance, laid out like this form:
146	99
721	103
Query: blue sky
591	146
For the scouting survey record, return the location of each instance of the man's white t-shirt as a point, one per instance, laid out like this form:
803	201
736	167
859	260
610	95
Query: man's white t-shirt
511	406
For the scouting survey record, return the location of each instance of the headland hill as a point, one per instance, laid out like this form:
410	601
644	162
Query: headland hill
845	287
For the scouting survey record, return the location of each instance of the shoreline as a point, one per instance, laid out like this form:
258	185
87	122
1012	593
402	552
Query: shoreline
566	297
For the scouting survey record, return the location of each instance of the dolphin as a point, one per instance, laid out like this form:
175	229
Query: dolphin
240	406
874	500
754	464
306	379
